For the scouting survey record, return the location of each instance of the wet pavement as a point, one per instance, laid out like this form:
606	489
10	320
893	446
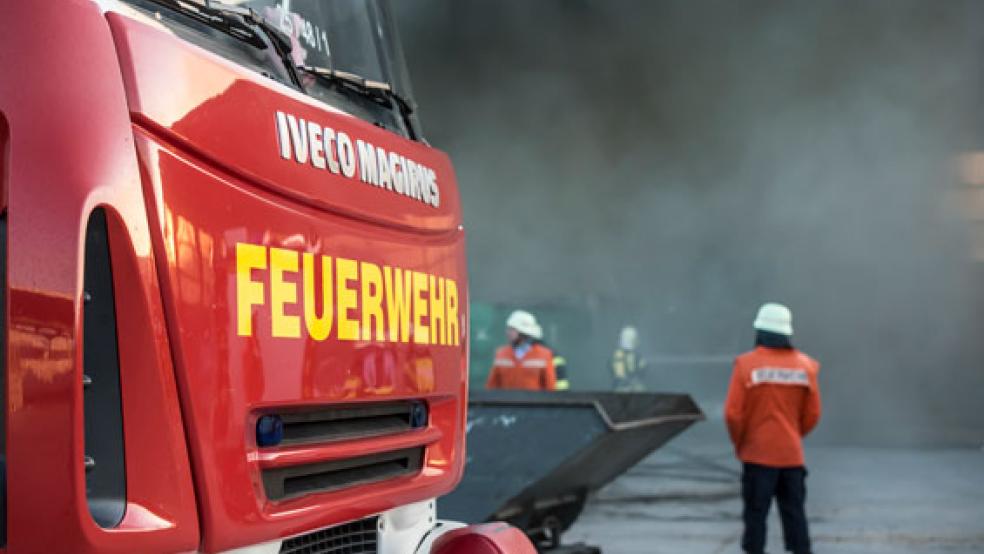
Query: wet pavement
684	499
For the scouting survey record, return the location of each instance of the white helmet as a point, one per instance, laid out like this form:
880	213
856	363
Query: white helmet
775	318
628	339
525	323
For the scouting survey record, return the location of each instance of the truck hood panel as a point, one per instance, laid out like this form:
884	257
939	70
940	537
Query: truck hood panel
289	289
285	142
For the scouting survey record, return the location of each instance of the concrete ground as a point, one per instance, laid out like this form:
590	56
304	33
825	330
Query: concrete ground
684	500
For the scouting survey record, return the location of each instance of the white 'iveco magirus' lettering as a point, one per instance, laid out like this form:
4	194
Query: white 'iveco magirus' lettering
323	147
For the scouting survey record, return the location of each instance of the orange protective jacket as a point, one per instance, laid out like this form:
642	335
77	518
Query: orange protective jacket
773	402
534	371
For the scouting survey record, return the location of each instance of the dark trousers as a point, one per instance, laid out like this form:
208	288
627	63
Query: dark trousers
759	485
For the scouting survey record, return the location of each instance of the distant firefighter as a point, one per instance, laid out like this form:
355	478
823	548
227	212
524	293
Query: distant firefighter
522	364
773	402
627	365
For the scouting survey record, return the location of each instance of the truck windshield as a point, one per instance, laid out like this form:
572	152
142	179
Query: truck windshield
351	36
343	52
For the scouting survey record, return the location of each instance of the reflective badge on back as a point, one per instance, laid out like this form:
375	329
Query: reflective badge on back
780	376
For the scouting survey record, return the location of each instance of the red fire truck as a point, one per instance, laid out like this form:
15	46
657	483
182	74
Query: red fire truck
235	299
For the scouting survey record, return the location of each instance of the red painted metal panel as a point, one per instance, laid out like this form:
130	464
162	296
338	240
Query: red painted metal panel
215	179
3	161
71	149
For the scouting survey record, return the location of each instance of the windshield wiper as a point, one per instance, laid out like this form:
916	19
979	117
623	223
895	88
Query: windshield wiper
279	39
239	22
245	24
376	90
220	18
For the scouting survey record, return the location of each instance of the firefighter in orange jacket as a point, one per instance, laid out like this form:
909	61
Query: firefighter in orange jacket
523	363
773	402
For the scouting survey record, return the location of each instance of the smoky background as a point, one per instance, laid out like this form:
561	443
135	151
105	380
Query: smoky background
674	164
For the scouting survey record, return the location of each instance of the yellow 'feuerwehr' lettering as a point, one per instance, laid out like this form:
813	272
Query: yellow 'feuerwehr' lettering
451	292
318	326
372	301
357	299
421	331
282	293
249	293
397	291
346	298
438	334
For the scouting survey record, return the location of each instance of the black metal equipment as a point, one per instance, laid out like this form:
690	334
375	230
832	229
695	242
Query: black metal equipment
533	457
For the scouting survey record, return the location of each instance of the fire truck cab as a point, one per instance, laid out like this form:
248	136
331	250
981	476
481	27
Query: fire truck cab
234	293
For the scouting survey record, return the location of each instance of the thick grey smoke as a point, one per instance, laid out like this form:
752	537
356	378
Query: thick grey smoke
675	164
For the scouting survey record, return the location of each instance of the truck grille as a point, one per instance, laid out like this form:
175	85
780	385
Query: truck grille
358	537
288	482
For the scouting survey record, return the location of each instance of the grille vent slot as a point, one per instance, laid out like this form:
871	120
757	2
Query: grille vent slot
344	423
358	537
290	482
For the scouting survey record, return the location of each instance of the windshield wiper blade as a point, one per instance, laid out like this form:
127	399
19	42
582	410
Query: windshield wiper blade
368	87
239	22
280	40
220	18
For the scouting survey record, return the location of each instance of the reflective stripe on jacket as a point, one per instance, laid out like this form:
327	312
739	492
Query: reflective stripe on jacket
560	368
534	371
626	364
773	401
